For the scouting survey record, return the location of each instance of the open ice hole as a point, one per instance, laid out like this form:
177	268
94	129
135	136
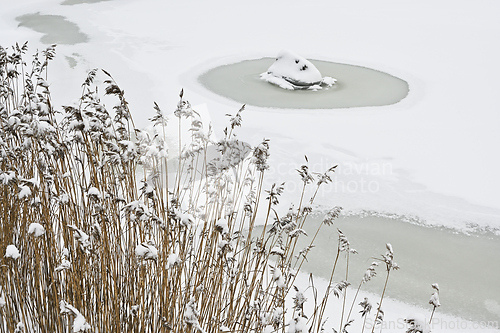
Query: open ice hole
355	86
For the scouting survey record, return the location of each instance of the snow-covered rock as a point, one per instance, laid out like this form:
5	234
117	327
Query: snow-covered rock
293	72
12	252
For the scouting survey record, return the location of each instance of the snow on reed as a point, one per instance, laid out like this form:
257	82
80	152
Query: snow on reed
115	235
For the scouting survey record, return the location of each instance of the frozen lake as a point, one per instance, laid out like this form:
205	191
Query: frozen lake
356	86
56	29
426	255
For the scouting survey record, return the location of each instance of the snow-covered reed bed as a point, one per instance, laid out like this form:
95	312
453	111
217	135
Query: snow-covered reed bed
95	235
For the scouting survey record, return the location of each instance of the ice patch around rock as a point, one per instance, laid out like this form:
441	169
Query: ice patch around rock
293	72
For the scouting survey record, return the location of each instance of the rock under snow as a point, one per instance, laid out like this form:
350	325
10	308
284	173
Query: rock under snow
293	72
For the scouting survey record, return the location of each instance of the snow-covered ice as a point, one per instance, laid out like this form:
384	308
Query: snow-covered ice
431	155
295	69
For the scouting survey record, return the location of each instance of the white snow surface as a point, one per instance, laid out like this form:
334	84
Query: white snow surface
432	155
292	66
12	252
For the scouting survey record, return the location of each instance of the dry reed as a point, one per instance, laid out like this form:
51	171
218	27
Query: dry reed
114	235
